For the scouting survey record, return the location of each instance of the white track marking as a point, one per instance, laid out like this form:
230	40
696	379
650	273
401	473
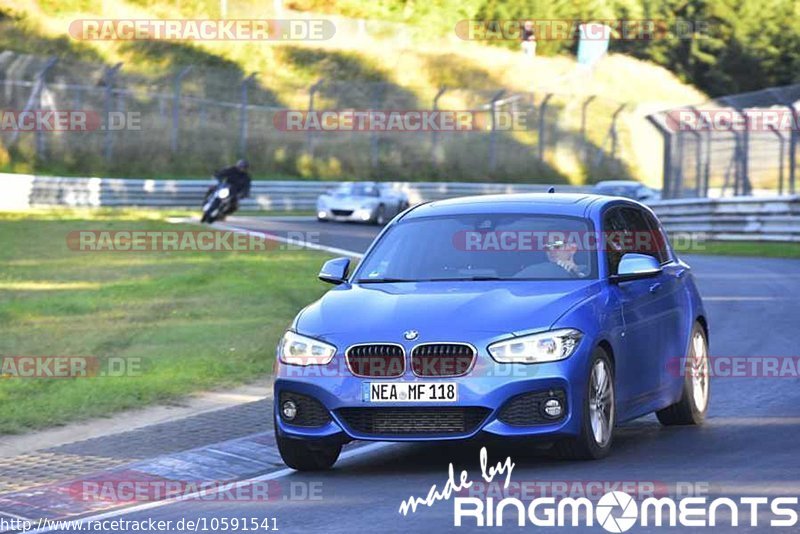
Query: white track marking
372	447
271	237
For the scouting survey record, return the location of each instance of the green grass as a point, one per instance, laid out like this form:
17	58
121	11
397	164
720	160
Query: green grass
195	320
741	248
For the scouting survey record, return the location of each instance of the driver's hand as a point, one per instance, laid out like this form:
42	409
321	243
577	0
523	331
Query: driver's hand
571	268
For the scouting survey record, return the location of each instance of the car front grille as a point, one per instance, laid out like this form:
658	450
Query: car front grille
342	213
442	359
376	360
527	409
432	421
310	412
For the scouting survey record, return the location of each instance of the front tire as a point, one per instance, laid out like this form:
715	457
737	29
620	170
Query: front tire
599	413
692	407
302	455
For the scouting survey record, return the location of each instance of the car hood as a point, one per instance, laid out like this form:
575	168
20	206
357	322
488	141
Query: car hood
440	310
349	202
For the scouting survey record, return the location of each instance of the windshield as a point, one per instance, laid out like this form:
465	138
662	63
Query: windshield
358	190
482	247
618	190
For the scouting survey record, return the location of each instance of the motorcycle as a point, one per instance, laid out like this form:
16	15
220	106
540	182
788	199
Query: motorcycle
218	203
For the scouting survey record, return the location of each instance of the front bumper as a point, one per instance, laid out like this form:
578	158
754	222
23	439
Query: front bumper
484	398
346	214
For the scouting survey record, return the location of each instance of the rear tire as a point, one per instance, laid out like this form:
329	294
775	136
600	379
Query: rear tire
692	407
380	215
312	455
599	413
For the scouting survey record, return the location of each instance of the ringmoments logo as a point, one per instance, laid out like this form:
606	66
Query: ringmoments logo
616	511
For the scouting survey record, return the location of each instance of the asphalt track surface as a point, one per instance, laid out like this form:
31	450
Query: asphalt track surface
748	446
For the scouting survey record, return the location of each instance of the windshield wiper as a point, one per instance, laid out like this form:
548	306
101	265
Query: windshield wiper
383	280
476	278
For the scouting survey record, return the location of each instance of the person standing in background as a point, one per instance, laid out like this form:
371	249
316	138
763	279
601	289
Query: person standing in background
528	39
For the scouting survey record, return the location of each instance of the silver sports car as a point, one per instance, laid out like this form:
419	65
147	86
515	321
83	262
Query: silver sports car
361	201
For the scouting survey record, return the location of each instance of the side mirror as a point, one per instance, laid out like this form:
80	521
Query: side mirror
335	271
634	266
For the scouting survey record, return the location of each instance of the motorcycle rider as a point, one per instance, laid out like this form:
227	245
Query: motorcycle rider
238	179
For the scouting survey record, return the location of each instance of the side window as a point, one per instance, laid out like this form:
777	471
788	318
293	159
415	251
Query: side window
643	239
659	238
615	235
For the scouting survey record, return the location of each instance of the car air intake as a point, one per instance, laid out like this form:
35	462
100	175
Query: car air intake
379	360
310	412
413	421
527	409
442	359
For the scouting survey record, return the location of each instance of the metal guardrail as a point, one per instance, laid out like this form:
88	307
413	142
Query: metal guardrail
28	190
737	218
733	219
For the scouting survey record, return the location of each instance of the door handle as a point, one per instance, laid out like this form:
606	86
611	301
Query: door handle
680	272
655	287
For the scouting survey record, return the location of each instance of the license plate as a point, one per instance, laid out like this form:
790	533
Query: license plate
409	392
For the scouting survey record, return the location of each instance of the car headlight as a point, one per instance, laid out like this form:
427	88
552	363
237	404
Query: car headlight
301	350
537	348
224	193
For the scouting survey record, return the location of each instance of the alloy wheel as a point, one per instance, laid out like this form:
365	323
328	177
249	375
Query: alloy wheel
601	403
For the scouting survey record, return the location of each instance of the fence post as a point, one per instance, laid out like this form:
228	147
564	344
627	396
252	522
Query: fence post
707	167
781	162
612	130
698	157
377	96
742	152
666	172
312	91
35	98
176	109
678	179
435	133
243	116
493	133
792	148
542	113
109	76
584	110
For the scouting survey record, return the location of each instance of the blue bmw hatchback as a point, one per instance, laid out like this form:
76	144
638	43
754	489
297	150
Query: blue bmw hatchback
547	316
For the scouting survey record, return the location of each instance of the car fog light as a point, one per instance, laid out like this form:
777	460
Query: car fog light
322	214
289	409
553	408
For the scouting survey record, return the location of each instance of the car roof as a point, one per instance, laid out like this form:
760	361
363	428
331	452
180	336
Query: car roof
570	204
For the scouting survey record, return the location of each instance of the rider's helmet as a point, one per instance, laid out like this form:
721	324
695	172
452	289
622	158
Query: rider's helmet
242	165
